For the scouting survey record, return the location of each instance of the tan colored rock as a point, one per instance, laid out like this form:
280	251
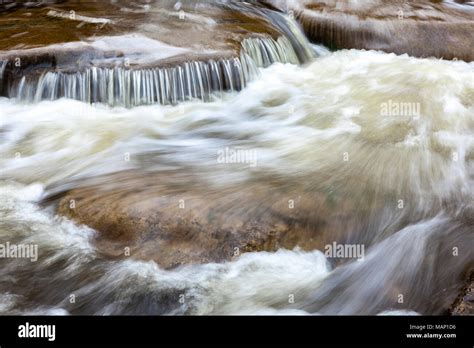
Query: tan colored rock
420	28
168	219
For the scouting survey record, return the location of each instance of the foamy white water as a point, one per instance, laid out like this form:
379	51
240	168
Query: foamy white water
331	125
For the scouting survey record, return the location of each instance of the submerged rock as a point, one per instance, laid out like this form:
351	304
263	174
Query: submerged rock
168	219
422	28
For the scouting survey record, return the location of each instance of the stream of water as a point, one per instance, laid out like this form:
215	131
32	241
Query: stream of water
302	121
387	140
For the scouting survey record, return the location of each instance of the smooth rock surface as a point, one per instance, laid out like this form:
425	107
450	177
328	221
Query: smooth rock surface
171	220
421	28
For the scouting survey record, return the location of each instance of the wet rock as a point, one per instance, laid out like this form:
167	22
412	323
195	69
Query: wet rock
199	25
420	28
464	304
173	221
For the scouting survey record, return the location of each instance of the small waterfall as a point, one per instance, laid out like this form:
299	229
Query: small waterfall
287	26
265	51
3	65
291	30
165	85
127	87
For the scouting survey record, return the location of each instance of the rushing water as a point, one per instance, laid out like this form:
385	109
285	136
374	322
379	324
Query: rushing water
324	126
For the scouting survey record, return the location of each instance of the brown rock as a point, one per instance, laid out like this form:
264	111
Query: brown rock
204	30
168	219
419	28
201	25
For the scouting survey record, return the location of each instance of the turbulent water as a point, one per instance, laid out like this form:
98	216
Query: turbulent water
331	125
